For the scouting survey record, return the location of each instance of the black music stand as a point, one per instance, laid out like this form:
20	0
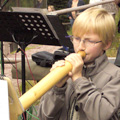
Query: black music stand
33	26
2	59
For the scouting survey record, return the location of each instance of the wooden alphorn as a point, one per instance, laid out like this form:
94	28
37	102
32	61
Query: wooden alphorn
31	96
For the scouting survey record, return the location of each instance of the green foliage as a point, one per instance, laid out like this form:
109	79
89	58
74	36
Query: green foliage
69	32
86	1
27	3
112	52
20	3
10	4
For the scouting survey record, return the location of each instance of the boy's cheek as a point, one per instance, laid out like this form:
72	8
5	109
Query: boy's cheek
89	57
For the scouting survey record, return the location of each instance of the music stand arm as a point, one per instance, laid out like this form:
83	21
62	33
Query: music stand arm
23	46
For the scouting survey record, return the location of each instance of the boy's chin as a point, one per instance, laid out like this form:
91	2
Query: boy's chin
86	62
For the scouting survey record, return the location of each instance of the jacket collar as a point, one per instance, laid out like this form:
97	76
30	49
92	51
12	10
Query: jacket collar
98	65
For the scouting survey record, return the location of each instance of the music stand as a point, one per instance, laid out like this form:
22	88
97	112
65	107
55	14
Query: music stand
33	26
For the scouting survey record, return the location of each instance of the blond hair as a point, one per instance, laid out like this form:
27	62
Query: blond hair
51	7
96	20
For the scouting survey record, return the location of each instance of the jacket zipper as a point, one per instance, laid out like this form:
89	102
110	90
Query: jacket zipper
69	104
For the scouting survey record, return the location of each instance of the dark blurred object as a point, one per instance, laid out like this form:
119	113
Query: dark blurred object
43	58
119	26
117	61
60	54
46	59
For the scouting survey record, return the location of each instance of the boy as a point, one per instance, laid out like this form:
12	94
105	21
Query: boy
92	91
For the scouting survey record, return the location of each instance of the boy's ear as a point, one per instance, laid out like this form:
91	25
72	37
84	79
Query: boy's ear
107	46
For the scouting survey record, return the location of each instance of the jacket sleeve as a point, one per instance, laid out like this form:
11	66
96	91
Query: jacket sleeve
98	103
51	104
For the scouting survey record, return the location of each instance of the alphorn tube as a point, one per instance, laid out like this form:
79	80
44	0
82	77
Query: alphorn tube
67	10
28	98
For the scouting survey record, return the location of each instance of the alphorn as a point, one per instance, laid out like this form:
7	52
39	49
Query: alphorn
67	10
31	96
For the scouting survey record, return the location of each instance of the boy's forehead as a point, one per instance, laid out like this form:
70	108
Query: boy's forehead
89	35
85	33
85	27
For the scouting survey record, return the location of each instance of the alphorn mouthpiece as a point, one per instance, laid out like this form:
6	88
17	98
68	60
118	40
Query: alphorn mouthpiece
82	53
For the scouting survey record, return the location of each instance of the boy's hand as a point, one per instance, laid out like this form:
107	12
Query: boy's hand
77	63
60	63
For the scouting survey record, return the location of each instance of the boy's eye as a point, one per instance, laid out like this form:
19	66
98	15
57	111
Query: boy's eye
90	41
77	38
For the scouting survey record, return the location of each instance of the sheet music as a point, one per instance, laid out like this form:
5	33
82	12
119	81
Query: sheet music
4	102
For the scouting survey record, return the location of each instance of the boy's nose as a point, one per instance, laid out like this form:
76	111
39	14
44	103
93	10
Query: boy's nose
81	45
